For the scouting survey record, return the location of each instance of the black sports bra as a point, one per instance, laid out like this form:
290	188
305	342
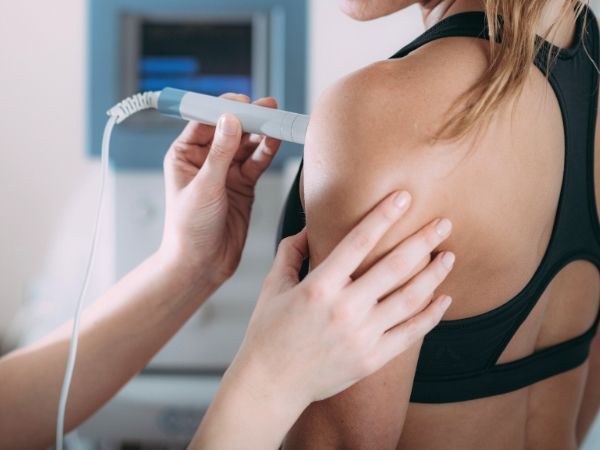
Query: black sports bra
458	359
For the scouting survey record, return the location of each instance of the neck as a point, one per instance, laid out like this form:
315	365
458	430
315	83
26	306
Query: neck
436	10
562	35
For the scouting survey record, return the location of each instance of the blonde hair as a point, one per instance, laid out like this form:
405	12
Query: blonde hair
510	60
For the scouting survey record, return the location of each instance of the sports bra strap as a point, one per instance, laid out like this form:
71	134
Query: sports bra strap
468	24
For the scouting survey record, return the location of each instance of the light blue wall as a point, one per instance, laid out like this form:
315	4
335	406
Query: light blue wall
135	148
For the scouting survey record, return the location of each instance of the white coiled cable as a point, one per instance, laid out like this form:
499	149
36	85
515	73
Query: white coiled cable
134	104
118	113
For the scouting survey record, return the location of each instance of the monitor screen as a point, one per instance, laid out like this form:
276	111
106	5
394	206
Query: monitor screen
211	58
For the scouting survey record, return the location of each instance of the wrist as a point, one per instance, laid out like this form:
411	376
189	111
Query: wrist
253	408
191	262
185	278
283	394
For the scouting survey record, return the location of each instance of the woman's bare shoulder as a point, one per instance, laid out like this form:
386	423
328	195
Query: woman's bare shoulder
370	133
379	121
397	103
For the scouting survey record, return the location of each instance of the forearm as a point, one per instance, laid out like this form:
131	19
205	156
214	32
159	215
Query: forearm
590	403
252	409
119	335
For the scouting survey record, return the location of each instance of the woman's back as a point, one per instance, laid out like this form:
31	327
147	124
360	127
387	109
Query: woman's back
501	193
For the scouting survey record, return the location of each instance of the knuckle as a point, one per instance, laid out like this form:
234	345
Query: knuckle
424	262
420	326
268	282
431	238
229	268
360	240
219	148
171	153
398	262
316	291
179	146
411	333
412	297
284	244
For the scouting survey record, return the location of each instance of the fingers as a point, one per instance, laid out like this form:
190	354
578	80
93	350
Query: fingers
290	255
192	145
260	157
354	248
189	153
178	169
225	144
251	140
400	264
196	133
414	296
190	150
254	152
402	337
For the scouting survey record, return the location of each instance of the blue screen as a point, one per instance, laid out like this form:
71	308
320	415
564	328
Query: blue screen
207	58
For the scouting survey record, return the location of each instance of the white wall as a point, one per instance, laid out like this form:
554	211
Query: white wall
42	75
41	132
339	45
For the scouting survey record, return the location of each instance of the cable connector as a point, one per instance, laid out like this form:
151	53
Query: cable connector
134	104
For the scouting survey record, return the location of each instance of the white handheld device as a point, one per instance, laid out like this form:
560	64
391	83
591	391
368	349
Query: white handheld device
203	108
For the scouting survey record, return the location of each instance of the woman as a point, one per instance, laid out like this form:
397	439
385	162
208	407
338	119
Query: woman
478	133
301	344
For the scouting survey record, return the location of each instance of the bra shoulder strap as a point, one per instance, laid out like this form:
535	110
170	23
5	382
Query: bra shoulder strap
467	24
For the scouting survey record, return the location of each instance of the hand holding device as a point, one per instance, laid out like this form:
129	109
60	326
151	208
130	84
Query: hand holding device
210	175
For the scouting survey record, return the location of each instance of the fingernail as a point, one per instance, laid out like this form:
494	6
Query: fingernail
448	259
227	125
401	200
445	302
443	227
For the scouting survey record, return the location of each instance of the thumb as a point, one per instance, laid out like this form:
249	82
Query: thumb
290	255
226	143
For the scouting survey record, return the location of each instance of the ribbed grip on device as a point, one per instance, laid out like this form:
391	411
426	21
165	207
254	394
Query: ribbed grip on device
134	104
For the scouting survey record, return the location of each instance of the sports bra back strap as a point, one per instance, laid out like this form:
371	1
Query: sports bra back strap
468	24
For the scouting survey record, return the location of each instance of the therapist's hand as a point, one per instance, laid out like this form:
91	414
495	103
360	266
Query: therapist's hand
312	339
210	175
325	333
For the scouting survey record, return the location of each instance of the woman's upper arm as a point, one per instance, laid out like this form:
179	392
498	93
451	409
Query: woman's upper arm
348	155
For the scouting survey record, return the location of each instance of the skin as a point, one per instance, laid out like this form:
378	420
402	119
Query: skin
210	177
500	189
